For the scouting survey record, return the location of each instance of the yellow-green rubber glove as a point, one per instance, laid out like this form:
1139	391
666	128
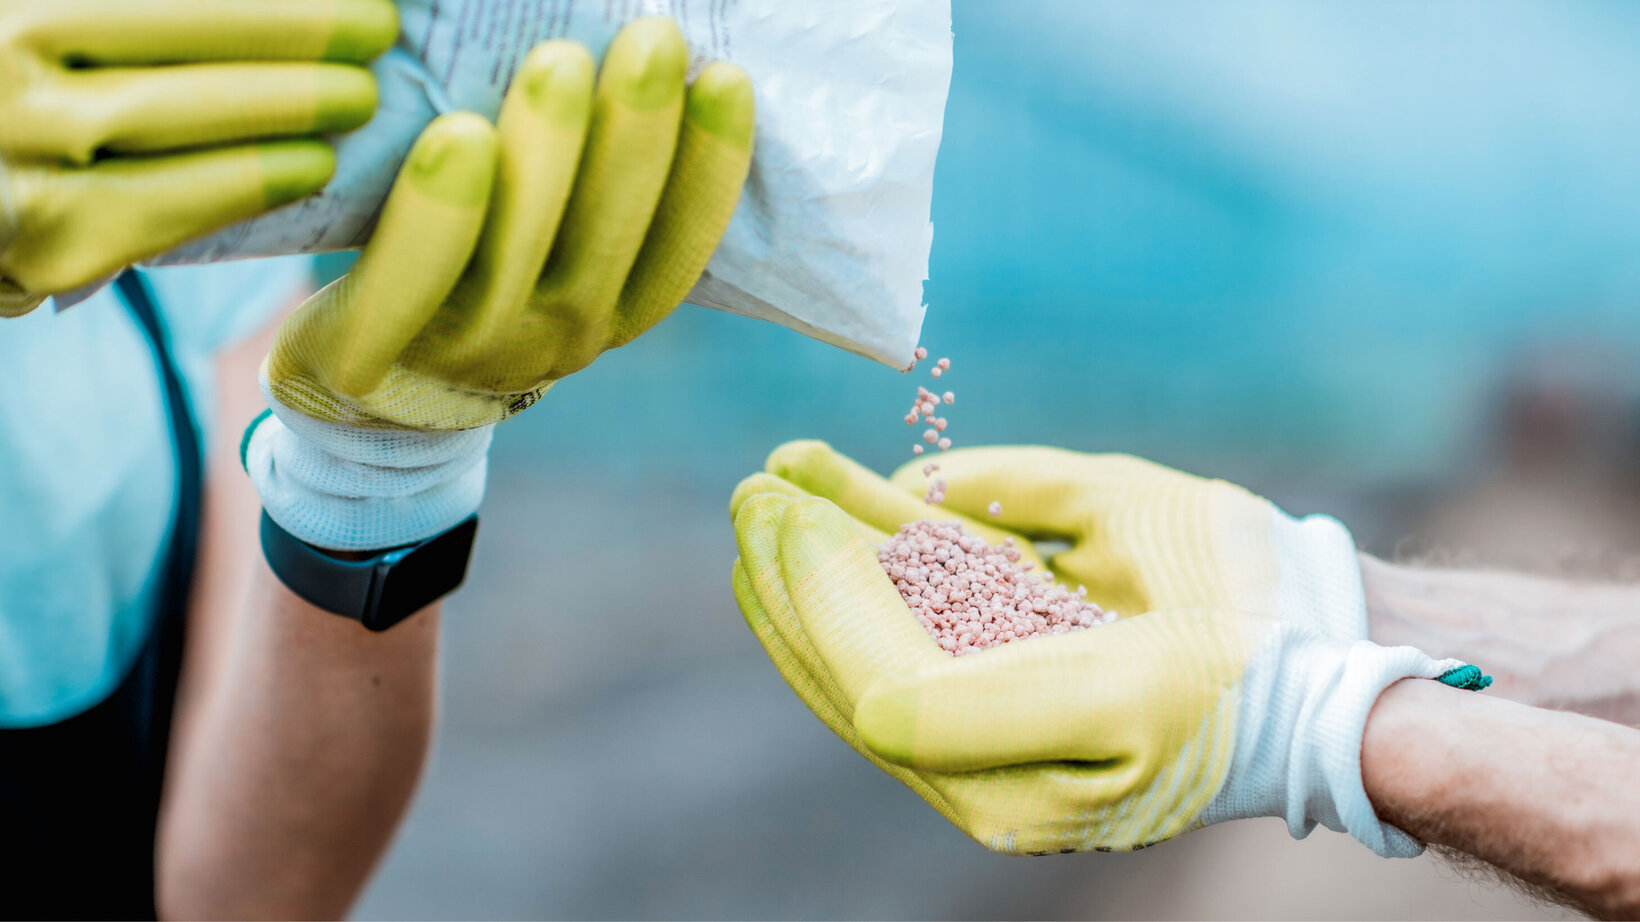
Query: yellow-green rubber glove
506	257
1238	684
606	206
130	126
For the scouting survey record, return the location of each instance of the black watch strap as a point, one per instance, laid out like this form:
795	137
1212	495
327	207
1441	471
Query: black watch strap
379	591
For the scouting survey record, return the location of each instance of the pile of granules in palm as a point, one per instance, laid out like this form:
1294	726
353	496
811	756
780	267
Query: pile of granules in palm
971	595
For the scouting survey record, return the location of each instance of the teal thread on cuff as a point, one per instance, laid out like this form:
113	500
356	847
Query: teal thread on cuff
1468	678
245	440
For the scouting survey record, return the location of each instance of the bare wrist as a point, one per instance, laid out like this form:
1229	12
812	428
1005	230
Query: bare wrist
1542	795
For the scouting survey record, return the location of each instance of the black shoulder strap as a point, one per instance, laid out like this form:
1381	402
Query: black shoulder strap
178	572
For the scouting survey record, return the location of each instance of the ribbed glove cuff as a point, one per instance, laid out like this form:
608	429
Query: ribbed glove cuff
348	489
1307	693
1304	708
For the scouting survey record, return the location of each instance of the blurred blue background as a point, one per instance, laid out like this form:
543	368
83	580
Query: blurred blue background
1376	259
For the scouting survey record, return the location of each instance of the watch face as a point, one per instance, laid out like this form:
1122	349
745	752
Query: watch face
410	579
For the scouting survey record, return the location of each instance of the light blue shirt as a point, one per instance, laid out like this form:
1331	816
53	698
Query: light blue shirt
88	473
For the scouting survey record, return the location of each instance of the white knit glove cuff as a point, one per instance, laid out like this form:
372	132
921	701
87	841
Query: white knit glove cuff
1308	691
346	489
1304	709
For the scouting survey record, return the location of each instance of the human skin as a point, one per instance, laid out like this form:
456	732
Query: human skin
1548	643
1547	796
299	737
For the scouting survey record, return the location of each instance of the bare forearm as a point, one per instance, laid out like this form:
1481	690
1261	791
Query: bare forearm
301	764
298	735
1548	643
1544	795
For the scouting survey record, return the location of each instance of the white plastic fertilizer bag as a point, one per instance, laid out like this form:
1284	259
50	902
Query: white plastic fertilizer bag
832	234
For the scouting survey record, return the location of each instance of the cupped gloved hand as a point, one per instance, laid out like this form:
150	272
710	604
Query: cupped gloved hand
128	127
1237	685
506	257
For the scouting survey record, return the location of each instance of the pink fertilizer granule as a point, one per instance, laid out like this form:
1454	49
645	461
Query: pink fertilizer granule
970	595
936	490
926	405
925	408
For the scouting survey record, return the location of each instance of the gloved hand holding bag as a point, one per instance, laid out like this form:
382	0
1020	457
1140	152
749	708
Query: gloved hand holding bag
127	128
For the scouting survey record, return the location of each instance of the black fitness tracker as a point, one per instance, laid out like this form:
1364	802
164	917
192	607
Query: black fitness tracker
378	591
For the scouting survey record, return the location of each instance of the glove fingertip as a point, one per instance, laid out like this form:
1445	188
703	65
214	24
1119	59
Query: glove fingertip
454	160
756	484
557	79
347	97
646	64
363	30
757	527
721	102
796	456
292	170
817	521
886	720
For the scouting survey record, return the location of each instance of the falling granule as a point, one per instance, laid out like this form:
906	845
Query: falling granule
916	356
970	595
995	508
925	406
930	468
935	494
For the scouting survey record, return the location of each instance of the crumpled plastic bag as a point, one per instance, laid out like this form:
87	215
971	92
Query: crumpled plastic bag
832	234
